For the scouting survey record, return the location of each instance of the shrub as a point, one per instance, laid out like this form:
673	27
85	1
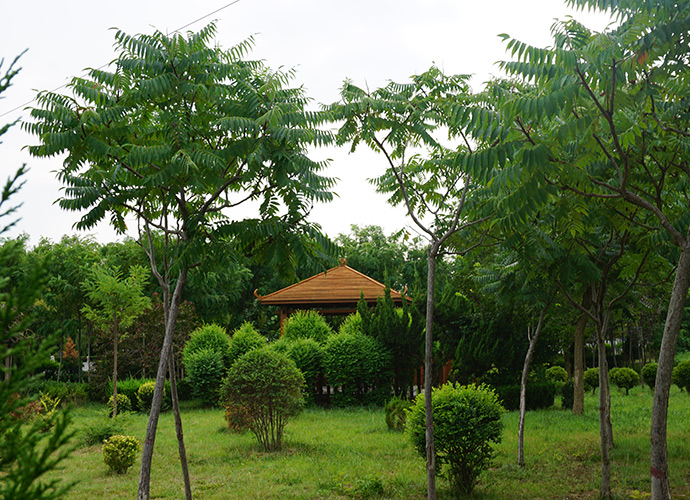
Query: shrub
624	378
681	375
556	374
205	370
268	386
396	413
539	395
123	403
361	366
211	337
467	421
144	396
591	379
244	339
67	392
307	325
101	429
281	345
649	374
184	389
129	387
567	395
120	453
308	356
351	324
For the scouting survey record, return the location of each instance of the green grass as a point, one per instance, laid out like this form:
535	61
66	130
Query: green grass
340	454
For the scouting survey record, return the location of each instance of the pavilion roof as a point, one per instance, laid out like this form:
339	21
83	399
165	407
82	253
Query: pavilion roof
339	285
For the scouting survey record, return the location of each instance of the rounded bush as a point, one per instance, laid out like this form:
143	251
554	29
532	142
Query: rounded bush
624	378
244	339
539	395
120	453
205	371
361	366
351	324
649	374
307	325
308	356
467	423
396	413
567	395
681	375
281	345
556	374
211	337
268	387
123	403
591	379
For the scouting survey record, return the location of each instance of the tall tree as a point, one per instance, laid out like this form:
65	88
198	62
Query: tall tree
397	121
625	128
117	302
177	135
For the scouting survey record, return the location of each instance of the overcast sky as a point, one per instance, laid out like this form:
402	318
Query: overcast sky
367	41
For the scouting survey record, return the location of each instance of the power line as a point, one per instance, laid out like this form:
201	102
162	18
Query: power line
106	65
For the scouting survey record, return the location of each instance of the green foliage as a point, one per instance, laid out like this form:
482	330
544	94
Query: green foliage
244	339
624	377
144	396
567	395
556	374
212	337
67	392
124	403
467	423
205	369
129	388
101	429
268	386
396	410
681	375
359	366
591	379
120	453
352	324
539	395
649	374
307	324
307	355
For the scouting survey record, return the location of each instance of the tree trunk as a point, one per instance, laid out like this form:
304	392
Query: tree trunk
605	437
523	386
579	357
432	253
115	335
178	427
147	454
659	456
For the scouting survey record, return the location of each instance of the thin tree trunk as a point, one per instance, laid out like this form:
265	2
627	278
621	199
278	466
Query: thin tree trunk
432	253
579	357
115	335
178	427
676	306
604	420
147	454
523	386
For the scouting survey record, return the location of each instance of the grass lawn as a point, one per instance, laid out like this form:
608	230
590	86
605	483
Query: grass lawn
339	454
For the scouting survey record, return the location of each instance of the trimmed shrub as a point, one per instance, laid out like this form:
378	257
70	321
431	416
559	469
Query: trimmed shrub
211	337
244	339
268	386
467	423
567	395
539	395
308	356
396	413
624	378
120	453
351	324
307	325
556	374
184	389
649	374
205	370
144	396
281	345
361	366
123	403
129	387
681	375
591	379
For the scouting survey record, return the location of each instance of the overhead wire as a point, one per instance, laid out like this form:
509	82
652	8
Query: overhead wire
21	106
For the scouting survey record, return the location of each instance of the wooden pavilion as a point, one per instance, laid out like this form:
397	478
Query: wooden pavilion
333	292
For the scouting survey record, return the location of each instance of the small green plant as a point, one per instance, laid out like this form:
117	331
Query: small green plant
205	370
211	337
269	387
45	419
244	339
123	403
467	423
624	378
103	428
307	325
591	379
567	395
556	374
120	453
681	375
649	374
396	413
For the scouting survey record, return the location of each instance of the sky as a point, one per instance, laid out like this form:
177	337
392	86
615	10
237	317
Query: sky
369	42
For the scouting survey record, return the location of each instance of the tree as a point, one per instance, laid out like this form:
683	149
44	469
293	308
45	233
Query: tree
179	134
620	95
117	302
398	120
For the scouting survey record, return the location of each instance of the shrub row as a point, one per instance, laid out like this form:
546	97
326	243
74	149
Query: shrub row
539	395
